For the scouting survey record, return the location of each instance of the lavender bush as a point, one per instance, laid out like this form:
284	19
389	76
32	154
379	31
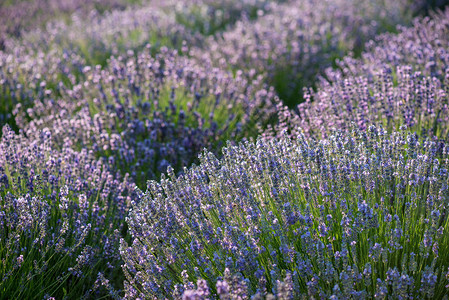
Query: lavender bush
18	16
296	41
409	98
99	36
404	80
46	58
424	47
45	61
26	77
102	35
361	214
61	216
147	112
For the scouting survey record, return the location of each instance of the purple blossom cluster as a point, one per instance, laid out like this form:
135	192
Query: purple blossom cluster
362	214
111	33
403	80
18	16
61	217
295	41
146	112
424	47
407	98
26	77
114	32
46	60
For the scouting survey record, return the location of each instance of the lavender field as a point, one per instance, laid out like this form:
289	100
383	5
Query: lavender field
224	149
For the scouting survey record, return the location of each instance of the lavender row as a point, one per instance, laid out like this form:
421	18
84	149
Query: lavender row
424	46
362	214
409	98
45	61
42	60
149	111
113	33
403	81
19	16
296	41
61	216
